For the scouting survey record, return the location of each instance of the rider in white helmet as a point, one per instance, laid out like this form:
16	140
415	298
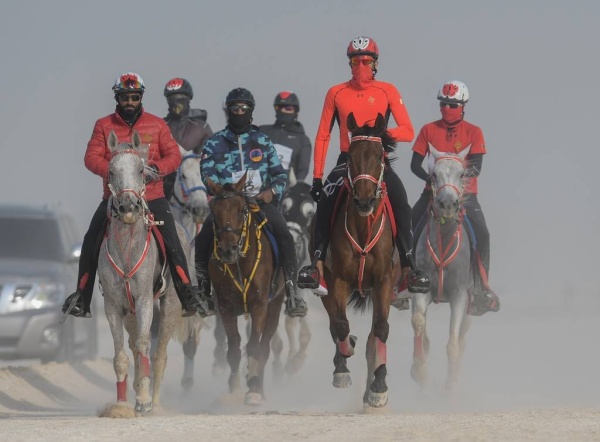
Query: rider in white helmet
453	134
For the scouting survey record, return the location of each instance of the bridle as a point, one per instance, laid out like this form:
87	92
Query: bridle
227	229
184	189
458	190
140	195
353	180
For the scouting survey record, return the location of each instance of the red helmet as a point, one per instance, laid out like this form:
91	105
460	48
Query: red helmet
363	46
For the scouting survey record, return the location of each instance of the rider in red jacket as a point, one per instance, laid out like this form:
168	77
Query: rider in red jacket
365	97
453	134
163	158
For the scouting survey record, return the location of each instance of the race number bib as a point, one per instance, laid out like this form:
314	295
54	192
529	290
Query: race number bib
285	155
253	181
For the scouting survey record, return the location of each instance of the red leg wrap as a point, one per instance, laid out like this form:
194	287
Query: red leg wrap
345	348
380	353
144	362
122	390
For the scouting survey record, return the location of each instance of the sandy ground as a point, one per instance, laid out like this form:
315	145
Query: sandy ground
529	373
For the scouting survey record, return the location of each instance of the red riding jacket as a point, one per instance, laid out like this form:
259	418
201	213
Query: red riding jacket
163	149
365	103
454	140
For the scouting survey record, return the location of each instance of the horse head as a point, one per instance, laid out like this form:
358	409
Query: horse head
366	162
189	189
447	173
230	218
126	172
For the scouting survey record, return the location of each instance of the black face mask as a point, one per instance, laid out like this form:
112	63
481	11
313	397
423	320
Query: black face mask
283	118
179	107
239	123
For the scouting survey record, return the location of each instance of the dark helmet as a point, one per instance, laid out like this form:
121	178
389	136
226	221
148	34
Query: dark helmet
239	94
287	98
178	86
363	46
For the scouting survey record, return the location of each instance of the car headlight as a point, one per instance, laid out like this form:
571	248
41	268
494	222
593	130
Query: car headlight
36	296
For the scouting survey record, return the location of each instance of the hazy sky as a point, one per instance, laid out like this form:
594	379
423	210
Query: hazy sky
531	68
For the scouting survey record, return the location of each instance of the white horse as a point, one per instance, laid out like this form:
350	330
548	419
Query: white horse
189	205
128	266
443	252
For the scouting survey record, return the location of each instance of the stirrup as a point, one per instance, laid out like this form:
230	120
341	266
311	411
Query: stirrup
73	305
308	277
295	307
418	282
484	301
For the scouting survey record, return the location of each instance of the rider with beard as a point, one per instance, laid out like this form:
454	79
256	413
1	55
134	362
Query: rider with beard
230	153
163	158
287	134
453	134
188	126
365	97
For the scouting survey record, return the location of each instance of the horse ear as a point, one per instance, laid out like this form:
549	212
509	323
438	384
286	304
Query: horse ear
463	153
434	153
239	186
351	122
136	140
214	188
379	124
112	141
182	151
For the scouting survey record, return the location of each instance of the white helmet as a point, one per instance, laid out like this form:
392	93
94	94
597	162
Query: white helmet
454	92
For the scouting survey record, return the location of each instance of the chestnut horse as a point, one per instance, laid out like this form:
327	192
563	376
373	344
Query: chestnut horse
358	268
245	281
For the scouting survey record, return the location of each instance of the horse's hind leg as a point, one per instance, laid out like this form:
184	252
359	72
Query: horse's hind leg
190	347
169	314
418	370
296	360
455	346
277	347
220	352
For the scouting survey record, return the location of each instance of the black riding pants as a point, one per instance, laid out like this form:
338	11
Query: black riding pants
277	224
475	215
396	194
90	250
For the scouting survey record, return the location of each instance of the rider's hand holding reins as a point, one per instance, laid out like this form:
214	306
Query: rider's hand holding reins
317	189
265	196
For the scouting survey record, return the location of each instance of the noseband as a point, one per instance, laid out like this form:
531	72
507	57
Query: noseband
352	181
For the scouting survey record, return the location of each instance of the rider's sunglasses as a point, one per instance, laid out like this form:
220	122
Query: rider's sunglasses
236	108
450	105
365	61
124	98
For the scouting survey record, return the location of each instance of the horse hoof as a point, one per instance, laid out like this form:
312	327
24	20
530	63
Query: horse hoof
143	408
377	400
253	399
187	383
342	380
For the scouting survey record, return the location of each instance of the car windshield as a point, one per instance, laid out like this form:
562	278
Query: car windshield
30	238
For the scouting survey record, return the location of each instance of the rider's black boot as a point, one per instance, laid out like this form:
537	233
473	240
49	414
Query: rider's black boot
207	307
484	300
76	304
295	305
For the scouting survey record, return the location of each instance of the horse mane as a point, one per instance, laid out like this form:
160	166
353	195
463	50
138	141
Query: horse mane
388	142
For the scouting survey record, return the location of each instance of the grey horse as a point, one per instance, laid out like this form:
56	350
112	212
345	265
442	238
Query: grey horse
128	266
443	252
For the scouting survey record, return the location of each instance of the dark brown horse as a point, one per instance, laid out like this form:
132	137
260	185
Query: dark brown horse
359	268
245	281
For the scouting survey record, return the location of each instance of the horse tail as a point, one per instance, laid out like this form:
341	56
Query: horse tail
188	326
359	302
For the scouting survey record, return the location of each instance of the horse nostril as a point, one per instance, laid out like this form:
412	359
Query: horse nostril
356	202
372	202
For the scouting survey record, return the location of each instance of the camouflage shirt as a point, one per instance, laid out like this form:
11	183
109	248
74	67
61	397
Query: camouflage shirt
222	163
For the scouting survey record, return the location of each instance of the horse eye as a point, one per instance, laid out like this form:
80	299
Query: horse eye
183	176
142	170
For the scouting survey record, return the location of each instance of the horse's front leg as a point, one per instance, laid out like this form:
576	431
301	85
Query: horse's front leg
335	304
418	370
121	360
255	352
144	309
459	324
220	351
234	353
295	363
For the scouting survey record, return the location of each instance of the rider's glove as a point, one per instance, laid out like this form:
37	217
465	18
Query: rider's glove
154	176
317	189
